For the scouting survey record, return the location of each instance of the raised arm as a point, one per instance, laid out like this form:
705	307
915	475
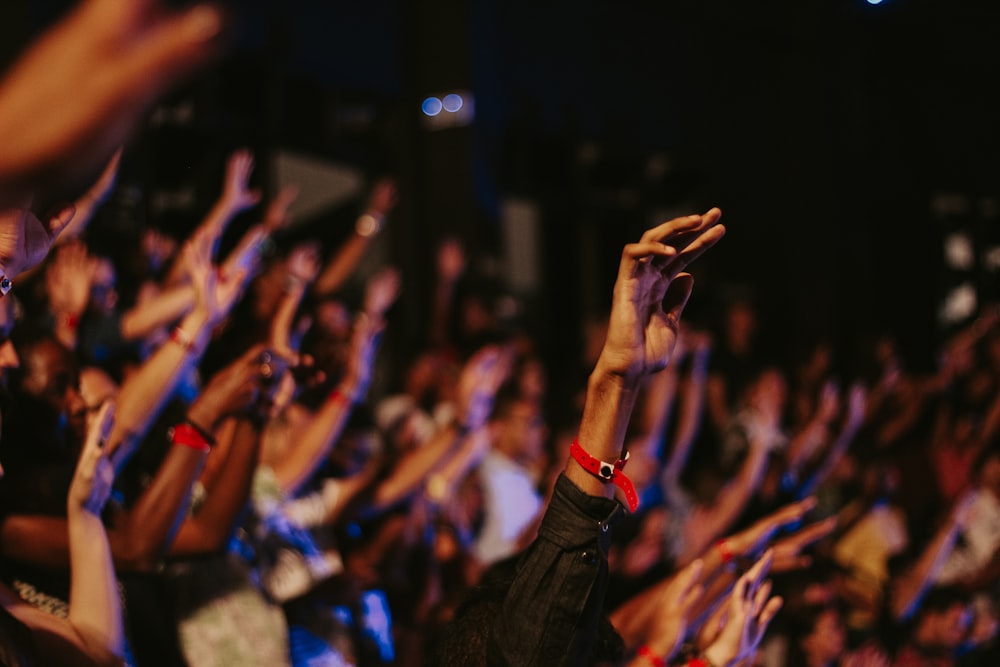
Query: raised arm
339	268
144	392
236	197
325	427
90	201
94	606
478	385
237	394
553	581
909	588
856	408
140	51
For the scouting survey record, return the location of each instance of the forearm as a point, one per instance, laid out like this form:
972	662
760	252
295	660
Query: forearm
94	605
607	408
343	263
315	442
284	316
144	534
209	529
144	393
414	468
914	583
164	308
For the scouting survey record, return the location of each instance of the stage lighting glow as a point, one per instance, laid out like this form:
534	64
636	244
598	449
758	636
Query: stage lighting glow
431	106
874	2
452	102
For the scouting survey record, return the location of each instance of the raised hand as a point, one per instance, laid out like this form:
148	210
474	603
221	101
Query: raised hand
788	550
276	216
479	383
383	197
748	613
25	240
215	293
651	292
76	94
247	385
91	485
365	338
68	278
236	192
750	542
381	291
450	260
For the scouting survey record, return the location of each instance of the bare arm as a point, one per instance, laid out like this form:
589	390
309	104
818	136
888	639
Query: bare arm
345	260
908	590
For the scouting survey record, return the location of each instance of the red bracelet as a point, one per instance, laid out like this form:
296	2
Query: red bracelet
697	662
607	472
647	653
182	338
338	396
188	436
724	551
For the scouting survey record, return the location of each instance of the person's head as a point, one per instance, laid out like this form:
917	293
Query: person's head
819	633
943	620
518	427
49	380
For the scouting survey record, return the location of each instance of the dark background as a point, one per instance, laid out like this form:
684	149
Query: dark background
842	141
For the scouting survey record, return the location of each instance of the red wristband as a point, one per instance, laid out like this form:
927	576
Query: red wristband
697	662
188	436
182	338
607	472
339	396
655	660
724	551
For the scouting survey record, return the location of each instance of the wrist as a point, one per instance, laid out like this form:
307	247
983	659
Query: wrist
369	224
716	656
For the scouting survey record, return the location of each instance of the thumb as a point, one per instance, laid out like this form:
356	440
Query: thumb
677	295
59	221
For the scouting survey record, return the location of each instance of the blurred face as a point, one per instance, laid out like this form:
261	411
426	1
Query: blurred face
826	642
953	625
522	432
51	377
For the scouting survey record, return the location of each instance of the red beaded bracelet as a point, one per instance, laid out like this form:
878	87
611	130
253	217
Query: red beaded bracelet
724	551
647	653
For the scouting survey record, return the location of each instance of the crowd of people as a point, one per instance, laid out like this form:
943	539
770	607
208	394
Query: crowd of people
198	469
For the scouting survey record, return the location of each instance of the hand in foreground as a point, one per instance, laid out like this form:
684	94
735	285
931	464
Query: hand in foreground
651	292
76	94
25	240
91	485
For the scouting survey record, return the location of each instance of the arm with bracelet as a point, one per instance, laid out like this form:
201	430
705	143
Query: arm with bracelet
319	436
145	392
232	397
552	610
345	260
478	385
